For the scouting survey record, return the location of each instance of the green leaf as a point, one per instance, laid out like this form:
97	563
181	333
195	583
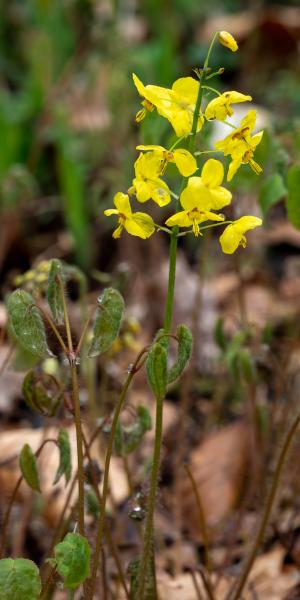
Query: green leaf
41	393
272	190
150	583
23	359
107	322
28	390
73	559
19	579
26	323
293	197
184	351
54	291
156	367
247	365
28	468
65	457
129	438
220	337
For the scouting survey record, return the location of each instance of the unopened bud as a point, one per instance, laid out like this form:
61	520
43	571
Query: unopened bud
226	39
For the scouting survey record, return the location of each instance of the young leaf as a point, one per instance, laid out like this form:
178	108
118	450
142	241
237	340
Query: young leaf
156	367
23	359
184	351
107	322
19	579
54	291
272	190
73	560
28	468
28	390
65	458
220	337
150	583
26	323
129	438
292	203
247	365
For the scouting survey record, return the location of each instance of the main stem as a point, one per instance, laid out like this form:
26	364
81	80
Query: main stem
148	533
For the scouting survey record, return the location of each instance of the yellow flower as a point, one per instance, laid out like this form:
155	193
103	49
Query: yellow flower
139	224
176	104
233	235
184	160
220	107
201	195
226	39
147	183
241	145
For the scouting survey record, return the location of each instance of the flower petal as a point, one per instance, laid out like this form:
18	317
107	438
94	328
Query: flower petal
181	218
219	197
111	211
121	202
142	190
140	225
187	88
233	234
233	167
151	147
194	194
212	173
185	162
160	192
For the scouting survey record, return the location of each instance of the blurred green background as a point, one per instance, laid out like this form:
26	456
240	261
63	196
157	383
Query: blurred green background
67	107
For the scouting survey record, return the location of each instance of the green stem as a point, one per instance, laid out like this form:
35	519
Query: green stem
208	87
171	282
148	533
76	404
236	592
91	584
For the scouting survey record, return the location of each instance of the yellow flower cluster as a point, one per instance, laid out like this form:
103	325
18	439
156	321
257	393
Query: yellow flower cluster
203	194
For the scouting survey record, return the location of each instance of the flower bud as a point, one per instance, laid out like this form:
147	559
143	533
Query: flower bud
226	39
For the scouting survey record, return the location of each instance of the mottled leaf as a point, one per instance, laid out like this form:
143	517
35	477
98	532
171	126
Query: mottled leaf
55	291
129	437
19	579
29	469
26	323
107	321
184	351
65	457
156	367
73	559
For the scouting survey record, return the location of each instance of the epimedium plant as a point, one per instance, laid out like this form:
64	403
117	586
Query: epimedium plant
196	209
200	197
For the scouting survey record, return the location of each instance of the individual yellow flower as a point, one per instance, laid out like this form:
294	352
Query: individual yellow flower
226	39
201	196
241	145
184	160
233	235
220	107
147	183
139	224
176	104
